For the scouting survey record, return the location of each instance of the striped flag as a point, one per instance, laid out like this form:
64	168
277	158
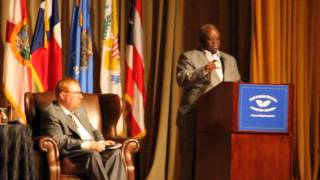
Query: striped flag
135	91
46	47
110	79
80	55
16	67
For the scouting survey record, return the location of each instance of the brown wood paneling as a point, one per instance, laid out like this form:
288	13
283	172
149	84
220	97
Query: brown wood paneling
213	156
261	156
223	153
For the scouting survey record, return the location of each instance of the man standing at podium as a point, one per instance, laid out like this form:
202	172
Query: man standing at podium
198	71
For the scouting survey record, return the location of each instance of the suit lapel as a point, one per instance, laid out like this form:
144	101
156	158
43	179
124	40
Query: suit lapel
203	59
66	119
70	124
84	122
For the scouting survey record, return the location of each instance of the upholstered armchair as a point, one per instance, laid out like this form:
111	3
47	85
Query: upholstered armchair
103	110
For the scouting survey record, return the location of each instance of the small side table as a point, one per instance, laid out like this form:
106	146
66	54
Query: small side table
16	152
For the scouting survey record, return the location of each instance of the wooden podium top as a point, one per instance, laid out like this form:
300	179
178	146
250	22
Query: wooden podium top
222	109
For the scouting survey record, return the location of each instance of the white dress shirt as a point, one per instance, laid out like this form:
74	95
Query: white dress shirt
216	58
84	134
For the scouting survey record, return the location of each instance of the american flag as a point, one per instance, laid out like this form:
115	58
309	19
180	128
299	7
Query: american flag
134	90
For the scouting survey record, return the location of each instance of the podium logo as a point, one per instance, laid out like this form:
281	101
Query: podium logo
263	104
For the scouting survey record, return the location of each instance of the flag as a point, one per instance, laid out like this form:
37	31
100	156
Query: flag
46	47
80	55
16	65
135	91
110	79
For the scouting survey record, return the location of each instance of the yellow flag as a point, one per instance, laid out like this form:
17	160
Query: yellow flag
110	76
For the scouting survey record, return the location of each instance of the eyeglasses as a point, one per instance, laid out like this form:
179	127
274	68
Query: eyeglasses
75	92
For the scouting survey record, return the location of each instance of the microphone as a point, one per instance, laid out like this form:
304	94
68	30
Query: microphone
4	117
216	59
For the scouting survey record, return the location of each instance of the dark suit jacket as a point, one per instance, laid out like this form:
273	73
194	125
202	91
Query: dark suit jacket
55	123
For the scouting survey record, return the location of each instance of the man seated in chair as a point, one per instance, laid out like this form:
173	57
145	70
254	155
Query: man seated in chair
68	123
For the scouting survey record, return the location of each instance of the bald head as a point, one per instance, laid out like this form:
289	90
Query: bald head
209	37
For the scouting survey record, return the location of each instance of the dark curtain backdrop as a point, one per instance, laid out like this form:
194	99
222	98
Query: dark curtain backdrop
233	18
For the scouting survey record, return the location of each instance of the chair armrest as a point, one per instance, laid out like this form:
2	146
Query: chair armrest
49	146
129	148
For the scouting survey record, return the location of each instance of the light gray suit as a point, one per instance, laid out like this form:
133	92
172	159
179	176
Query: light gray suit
105	165
193	80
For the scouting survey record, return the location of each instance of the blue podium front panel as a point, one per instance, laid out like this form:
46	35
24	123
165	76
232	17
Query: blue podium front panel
263	108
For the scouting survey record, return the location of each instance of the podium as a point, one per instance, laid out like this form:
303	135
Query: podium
244	131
